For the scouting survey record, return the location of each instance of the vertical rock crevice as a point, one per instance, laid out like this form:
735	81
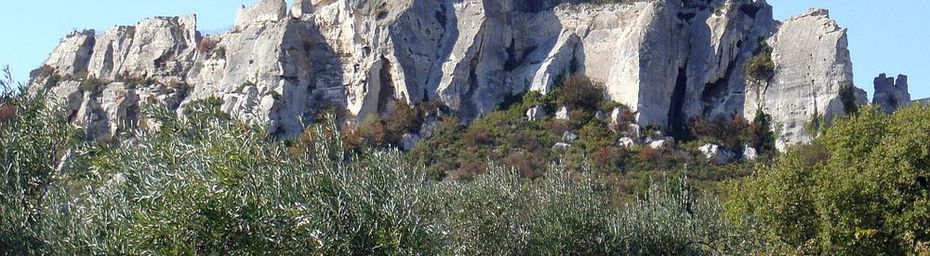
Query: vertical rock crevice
677	121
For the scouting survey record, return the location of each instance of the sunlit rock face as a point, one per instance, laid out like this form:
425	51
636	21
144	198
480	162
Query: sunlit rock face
668	60
812	65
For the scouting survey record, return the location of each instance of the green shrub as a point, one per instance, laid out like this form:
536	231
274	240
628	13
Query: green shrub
760	66
31	143
848	97
861	189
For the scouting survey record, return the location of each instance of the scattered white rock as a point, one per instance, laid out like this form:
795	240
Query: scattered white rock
717	154
627	142
561	146
536	113
569	137
616	116
750	153
660	144
562	114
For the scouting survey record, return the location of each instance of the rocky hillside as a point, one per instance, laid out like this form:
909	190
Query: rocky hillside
668	60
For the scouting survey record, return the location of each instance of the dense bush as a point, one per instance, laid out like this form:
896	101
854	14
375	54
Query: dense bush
33	136
208	185
761	67
579	91
735	132
861	189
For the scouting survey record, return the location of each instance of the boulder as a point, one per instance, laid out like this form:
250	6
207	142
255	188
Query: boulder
569	137
121	107
660	144
627	142
561	146
563	114
428	128
717	154
750	153
536	113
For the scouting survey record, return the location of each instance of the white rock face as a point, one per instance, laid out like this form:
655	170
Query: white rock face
69	95
812	64
717	154
263	11
72	55
300	8
668	62
121	107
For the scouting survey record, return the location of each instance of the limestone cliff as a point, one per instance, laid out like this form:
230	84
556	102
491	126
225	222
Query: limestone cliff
669	60
812	65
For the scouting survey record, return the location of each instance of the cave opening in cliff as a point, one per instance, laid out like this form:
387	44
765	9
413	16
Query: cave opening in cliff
677	122
386	93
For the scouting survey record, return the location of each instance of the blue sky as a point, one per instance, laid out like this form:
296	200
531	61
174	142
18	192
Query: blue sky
885	36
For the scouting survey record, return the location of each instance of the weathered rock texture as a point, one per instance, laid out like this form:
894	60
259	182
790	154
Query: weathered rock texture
891	94
668	60
812	65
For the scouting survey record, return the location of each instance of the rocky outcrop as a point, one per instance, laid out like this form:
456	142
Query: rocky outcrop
891	94
812	67
71	56
668	60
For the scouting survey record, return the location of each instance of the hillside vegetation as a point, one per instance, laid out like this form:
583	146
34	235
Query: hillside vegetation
206	184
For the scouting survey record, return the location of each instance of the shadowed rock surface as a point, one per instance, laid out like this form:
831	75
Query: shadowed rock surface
891	93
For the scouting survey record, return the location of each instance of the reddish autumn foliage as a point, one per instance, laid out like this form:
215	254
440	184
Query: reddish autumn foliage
7	112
